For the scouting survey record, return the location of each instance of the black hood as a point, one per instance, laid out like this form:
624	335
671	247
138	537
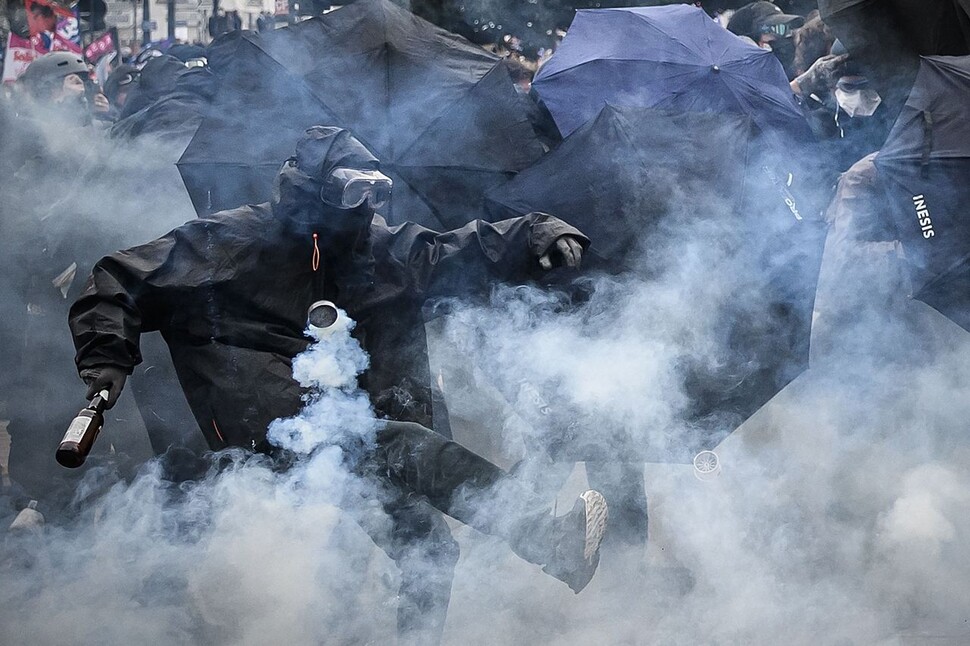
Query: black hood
156	80
323	149
296	192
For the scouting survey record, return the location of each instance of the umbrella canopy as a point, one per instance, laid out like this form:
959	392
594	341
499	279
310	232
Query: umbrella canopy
671	58
634	180
615	178
925	167
441	114
895	27
887	37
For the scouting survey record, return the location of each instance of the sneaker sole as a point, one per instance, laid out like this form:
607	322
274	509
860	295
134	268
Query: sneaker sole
597	514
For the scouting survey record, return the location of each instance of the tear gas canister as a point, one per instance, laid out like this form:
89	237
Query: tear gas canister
324	319
322	315
80	435
707	466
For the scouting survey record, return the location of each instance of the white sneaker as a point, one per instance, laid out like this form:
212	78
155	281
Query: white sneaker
577	551
29	519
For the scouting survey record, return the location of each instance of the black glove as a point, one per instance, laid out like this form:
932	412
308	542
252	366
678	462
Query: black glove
565	251
110	378
822	76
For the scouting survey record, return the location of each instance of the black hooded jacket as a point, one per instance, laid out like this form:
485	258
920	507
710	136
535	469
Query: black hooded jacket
230	294
176	112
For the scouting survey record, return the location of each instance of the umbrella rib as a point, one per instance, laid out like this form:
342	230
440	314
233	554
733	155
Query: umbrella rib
469	168
310	92
441	115
424	199
208	162
664	32
386	47
943	275
627	60
918	157
766	97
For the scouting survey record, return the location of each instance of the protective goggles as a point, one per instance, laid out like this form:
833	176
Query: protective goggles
127	79
348	188
782	30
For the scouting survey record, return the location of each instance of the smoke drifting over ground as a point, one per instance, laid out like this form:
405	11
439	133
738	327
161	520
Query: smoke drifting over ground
842	515
249	554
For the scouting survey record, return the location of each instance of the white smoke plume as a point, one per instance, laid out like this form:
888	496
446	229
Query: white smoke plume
841	516
248	555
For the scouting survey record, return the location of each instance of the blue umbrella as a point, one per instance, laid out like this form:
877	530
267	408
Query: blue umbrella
673	58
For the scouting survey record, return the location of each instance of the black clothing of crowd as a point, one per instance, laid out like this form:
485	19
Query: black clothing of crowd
213	288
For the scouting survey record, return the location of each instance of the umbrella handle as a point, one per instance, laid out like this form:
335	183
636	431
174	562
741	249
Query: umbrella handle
927	142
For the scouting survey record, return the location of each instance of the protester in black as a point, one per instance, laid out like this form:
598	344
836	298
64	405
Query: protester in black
52	108
770	28
230	295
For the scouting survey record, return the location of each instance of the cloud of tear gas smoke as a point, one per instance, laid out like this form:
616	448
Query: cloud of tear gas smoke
70	195
249	554
841	516
337	406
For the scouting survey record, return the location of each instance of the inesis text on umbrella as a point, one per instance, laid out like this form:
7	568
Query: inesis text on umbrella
923	214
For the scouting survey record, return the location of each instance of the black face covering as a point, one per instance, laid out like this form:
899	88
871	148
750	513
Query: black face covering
334	227
784	50
341	235
297	194
342	225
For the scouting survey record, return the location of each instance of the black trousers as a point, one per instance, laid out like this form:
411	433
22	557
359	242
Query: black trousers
419	476
611	466
620	482
426	475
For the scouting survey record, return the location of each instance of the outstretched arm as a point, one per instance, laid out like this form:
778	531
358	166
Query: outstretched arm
467	259
135	291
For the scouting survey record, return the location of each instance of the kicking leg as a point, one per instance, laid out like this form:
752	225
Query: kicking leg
420	543
621	483
478	493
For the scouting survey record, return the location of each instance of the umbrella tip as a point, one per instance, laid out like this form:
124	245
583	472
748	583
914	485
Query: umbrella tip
716	68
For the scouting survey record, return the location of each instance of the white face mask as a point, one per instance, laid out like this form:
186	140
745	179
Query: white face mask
858	103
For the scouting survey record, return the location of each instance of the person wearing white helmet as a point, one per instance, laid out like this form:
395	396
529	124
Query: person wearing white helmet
35	348
62	79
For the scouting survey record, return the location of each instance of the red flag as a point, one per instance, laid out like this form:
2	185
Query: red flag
51	26
42	15
20	52
99	47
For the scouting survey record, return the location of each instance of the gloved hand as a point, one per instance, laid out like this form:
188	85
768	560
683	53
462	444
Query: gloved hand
822	76
566	250
110	378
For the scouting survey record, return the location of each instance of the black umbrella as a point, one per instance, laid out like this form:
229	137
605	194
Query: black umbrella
925	167
893	27
633	179
886	38
441	114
